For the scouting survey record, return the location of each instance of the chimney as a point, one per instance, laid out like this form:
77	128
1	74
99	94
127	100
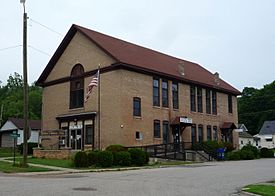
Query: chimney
217	78
181	68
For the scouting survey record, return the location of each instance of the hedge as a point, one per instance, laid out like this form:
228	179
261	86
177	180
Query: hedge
105	159
116	148
138	156
122	158
31	145
92	157
80	159
266	153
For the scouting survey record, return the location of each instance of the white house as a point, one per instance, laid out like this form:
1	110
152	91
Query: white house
244	137
266	136
17	125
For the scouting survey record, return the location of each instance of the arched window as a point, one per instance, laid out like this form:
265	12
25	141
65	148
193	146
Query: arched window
77	87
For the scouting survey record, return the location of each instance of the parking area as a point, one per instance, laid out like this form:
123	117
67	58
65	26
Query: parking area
215	178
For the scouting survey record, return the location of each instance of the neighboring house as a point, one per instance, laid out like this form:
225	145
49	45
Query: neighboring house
146	97
244	137
17	125
266	137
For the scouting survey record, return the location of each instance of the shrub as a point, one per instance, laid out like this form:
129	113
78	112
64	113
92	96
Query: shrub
105	159
92	157
116	148
266	153
247	154
31	145
122	158
228	146
80	159
233	155
138	156
254	149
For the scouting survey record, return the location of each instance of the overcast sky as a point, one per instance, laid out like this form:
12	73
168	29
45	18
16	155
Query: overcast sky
233	37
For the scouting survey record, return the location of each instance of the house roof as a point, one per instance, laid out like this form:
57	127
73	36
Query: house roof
244	134
268	128
138	57
19	123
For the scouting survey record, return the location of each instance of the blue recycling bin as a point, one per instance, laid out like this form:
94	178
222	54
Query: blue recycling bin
221	152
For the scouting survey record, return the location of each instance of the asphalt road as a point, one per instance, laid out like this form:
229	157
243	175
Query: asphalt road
217	178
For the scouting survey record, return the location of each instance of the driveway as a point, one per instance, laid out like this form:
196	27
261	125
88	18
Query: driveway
217	178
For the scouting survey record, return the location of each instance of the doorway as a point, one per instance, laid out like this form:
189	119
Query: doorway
76	139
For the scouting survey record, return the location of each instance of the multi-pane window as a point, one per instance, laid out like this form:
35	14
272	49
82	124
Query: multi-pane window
77	87
89	134
175	92
200	133
230	104
214	102
199	95
164	93
136	106
156	128
215	133
193	98
156	92
165	133
138	135
193	134
209	133
208	101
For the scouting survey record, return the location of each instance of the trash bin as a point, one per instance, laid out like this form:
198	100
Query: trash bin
221	152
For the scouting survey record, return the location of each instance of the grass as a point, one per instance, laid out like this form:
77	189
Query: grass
9	168
50	162
264	190
7	152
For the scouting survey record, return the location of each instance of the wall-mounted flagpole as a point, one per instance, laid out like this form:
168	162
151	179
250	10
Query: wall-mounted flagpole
98	107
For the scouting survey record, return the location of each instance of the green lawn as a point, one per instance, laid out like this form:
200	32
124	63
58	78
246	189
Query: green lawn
264	190
9	168
51	162
7	152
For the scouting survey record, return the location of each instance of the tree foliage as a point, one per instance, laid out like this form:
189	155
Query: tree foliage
256	106
11	97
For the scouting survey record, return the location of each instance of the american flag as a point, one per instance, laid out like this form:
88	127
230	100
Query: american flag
93	83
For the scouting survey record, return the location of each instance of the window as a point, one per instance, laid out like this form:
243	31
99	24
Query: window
193	134
156	128
241	141
77	87
193	98
209	133
199	95
136	106
138	135
89	135
230	104
200	133
164	93
175	92
215	133
208	101
214	102
156	92
165	133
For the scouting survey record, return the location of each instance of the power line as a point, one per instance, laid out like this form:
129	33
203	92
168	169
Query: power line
251	113
38	50
50	29
10	47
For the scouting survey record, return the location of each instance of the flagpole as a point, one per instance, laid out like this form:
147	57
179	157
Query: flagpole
98	101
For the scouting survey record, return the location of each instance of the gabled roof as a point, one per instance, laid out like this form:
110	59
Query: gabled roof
228	125
19	123
245	134
141	58
268	128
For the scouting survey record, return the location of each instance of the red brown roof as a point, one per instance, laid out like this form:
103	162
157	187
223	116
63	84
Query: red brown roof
228	125
19	123
138	57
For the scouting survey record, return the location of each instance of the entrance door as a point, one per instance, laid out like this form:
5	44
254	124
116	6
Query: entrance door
176	135
76	139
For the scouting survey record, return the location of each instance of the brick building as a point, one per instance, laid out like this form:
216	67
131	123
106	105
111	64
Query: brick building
146	97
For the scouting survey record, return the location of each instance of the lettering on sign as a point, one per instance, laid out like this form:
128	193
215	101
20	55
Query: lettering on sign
186	120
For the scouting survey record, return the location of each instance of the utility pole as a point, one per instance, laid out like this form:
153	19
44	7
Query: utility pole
26	96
